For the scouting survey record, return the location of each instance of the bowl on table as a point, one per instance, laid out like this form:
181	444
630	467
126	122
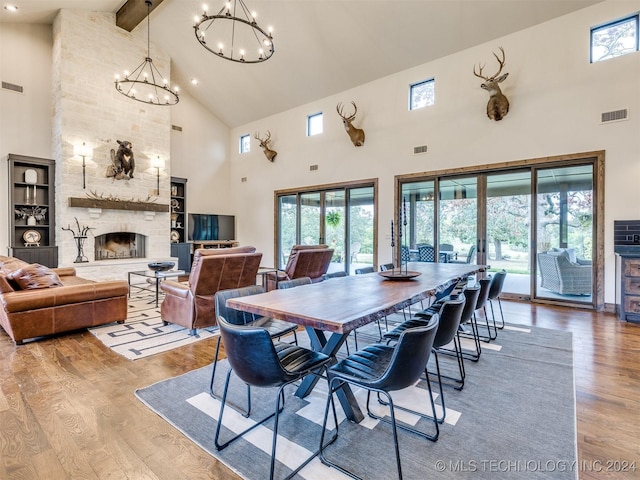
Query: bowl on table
161	266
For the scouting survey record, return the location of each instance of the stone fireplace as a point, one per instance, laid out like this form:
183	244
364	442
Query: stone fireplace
116	245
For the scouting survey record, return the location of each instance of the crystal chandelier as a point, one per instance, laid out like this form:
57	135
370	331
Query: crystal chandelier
145	83
234	34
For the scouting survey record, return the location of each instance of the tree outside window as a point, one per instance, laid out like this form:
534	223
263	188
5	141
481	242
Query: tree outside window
614	39
422	94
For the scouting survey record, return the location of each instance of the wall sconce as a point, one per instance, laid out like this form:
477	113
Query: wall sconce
157	163
84	152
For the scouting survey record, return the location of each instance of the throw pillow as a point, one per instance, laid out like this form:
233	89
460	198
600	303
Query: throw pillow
5	287
35	276
572	255
10	264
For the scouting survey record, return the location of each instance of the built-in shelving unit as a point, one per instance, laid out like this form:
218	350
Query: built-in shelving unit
179	246
32	210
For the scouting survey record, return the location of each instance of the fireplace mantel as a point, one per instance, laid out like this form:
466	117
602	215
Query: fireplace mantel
117	205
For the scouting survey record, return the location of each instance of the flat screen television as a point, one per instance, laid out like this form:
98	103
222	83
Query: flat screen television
204	226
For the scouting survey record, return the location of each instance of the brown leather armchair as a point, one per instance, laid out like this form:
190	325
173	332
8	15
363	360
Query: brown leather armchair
304	261
192	305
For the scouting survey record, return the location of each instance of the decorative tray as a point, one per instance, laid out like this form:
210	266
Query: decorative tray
161	266
399	275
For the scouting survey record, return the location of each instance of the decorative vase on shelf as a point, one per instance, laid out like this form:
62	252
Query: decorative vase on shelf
31	220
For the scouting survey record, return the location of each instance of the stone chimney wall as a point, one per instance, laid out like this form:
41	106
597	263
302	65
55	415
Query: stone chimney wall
88	50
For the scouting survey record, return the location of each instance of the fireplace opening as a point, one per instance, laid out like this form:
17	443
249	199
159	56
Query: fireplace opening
118	245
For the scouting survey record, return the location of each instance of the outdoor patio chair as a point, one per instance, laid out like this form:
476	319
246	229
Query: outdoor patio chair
469	258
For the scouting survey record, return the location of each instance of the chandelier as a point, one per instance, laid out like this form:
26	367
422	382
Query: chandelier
145	83
234	34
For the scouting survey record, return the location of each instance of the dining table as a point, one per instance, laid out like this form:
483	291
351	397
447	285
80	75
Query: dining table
331	309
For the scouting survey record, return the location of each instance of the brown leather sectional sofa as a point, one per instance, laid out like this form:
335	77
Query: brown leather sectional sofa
38	301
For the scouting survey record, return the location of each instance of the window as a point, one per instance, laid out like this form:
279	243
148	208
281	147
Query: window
342	216
614	39
421	94
314	124
245	144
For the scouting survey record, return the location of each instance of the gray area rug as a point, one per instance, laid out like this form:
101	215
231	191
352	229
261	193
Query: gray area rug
515	418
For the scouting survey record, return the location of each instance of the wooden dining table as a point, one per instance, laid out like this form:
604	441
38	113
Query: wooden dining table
331	309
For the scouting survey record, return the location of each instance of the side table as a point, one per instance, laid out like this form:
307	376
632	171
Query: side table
157	276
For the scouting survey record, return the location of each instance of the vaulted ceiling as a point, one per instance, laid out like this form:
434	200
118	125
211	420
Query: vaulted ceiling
322	47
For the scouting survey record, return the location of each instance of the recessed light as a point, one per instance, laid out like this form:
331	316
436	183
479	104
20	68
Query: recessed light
194	81
11	8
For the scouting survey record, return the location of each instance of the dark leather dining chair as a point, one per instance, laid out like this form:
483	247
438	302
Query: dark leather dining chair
296	282
470	294
483	298
382	369
276	328
495	289
363	270
338	274
261	363
450	314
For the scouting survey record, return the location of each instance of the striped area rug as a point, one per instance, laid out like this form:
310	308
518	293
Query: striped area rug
143	333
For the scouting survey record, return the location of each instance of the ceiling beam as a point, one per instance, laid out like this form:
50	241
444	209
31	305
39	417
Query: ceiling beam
133	12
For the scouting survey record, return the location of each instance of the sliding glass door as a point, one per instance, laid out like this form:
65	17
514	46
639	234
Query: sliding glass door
508	228
342	217
458	218
564	233
536	222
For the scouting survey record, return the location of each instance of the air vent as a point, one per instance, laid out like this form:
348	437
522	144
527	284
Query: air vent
176	128
614	116
12	87
420	149
243	179
313	167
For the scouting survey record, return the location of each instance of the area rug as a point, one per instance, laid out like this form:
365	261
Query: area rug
143	333
515	418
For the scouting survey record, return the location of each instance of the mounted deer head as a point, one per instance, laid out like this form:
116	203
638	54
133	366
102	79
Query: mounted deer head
355	134
264	143
498	105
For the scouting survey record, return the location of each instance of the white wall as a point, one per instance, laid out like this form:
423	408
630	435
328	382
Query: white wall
25	118
199	153
556	99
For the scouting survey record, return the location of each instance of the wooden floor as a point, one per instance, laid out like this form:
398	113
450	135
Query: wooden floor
68	410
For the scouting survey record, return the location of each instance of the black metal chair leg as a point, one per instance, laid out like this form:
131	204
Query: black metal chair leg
213	372
444	408
474	357
501	325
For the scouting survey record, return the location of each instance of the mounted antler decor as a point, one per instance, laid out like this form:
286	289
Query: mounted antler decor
498	105
264	143
355	134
